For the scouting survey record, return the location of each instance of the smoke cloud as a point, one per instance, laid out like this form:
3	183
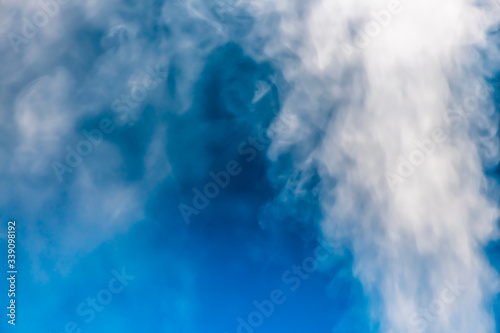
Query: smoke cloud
391	128
394	113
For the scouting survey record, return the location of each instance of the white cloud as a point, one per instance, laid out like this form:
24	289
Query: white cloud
372	106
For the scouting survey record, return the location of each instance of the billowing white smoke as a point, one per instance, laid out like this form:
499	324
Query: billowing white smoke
407	127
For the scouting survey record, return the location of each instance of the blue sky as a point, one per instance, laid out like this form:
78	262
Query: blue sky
117	115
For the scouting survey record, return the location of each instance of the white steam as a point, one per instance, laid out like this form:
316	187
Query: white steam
407	130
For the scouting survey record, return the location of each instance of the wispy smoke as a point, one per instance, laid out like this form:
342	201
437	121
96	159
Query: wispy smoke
359	113
364	83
